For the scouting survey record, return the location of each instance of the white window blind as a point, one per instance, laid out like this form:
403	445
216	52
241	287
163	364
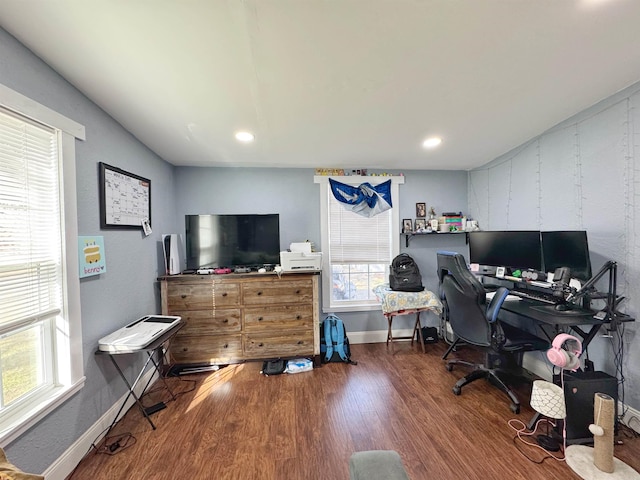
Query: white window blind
30	223
357	239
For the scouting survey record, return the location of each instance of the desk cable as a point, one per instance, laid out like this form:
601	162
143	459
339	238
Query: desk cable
522	433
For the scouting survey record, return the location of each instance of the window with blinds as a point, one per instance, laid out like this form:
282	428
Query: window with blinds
31	275
356	250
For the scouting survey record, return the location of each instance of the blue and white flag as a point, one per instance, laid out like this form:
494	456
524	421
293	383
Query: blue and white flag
365	199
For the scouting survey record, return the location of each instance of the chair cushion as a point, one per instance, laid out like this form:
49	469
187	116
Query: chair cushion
9	471
521	340
377	465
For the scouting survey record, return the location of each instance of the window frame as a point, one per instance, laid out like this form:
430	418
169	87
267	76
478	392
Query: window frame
325	190
66	343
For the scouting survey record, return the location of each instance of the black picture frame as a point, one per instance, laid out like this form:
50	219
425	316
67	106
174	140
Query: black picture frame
125	198
407	225
421	210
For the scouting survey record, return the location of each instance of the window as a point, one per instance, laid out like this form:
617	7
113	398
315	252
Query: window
40	339
356	250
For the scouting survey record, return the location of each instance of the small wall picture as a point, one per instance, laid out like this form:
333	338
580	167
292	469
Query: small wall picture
421	210
421	224
407	225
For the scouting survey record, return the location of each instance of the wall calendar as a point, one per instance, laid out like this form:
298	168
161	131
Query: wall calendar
125	199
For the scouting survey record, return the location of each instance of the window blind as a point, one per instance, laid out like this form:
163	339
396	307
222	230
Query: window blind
357	239
30	222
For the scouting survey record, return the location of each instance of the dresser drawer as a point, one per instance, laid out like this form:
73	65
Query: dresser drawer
202	296
207	322
206	348
278	317
279	345
266	293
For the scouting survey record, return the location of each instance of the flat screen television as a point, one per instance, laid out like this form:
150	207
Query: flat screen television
232	241
516	249
567	248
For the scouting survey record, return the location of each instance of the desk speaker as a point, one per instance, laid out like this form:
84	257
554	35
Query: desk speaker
579	393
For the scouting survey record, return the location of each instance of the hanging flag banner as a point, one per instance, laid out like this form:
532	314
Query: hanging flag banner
365	200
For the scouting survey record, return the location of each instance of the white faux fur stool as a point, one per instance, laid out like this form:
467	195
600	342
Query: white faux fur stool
377	465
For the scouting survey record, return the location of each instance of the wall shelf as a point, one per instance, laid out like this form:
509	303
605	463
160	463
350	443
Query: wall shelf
407	236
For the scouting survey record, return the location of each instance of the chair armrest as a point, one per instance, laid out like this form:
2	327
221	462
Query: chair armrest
496	304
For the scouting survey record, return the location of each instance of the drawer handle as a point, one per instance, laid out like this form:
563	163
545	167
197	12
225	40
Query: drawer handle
300	342
226	320
185	349
226	345
259	293
224	294
183	296
297	292
298	317
261	344
259	319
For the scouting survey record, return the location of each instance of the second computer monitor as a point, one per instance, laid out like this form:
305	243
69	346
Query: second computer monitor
567	249
516	249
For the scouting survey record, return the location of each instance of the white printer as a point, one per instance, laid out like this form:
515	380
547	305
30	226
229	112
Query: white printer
137	335
300	258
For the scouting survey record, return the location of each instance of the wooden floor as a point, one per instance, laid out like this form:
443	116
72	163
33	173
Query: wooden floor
239	424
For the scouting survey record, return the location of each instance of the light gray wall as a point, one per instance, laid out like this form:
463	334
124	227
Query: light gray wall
292	194
127	290
581	174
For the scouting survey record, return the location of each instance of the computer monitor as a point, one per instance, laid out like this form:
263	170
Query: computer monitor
567	248
516	249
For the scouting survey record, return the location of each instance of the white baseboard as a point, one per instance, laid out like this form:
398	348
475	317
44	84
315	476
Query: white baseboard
65	464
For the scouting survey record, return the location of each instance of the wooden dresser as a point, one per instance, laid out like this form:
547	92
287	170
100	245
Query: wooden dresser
236	317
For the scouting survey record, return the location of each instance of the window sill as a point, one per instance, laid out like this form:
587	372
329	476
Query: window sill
15	425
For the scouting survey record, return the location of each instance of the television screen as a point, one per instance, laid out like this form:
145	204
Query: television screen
567	249
518	249
214	241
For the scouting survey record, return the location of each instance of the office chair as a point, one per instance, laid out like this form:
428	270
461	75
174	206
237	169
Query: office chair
475	323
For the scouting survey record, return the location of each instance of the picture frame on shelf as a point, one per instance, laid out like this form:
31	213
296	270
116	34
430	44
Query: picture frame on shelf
421	210
420	225
407	225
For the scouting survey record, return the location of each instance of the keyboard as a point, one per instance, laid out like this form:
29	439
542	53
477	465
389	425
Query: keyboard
537	296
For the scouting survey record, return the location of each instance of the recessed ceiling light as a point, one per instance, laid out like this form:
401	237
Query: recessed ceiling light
244	137
432	142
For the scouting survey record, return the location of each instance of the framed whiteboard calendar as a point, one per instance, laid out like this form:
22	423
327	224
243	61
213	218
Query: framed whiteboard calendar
125	199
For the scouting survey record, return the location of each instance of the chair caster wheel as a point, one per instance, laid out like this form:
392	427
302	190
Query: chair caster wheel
515	408
449	367
457	390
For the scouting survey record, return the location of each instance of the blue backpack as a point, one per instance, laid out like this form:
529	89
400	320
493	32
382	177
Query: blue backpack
334	344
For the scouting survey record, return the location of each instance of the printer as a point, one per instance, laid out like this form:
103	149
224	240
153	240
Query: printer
300	258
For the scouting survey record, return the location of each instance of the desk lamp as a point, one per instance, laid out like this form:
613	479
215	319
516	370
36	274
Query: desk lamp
548	399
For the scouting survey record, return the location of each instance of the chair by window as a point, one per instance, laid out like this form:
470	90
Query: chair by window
476	323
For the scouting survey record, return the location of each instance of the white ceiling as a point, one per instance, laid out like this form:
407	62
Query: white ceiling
335	83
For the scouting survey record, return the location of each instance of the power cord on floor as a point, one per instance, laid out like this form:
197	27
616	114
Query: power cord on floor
522	433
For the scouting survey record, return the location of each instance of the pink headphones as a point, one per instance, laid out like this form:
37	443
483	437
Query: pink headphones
566	359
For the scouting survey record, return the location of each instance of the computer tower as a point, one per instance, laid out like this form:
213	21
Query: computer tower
579	391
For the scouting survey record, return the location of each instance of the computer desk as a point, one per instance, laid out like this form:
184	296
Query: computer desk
581	321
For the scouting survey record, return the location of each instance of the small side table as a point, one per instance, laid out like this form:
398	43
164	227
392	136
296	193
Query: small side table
396	303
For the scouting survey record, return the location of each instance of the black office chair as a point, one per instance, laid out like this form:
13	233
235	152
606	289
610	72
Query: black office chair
476	323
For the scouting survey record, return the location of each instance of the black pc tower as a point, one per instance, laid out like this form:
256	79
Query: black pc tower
579	392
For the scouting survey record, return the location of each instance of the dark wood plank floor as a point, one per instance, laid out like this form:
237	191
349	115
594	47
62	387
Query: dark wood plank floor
239	424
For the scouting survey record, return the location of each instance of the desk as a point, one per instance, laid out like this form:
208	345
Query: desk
152	349
543	314
396	303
